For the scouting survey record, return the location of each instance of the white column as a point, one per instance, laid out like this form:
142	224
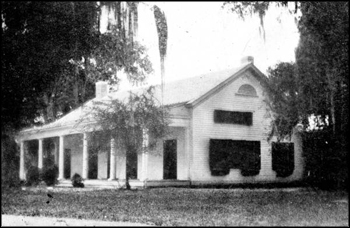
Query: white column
188	151
112	160
144	155
40	154
85	157
21	162
266	171
299	163
61	158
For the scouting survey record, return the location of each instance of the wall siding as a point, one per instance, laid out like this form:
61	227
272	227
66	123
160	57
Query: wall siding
102	164
120	164
179	111
155	157
75	144
204	128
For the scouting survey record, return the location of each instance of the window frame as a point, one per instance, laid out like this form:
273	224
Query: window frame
230	119
247	95
226	154
282	156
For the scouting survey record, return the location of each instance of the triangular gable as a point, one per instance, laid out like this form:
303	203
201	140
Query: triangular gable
255	71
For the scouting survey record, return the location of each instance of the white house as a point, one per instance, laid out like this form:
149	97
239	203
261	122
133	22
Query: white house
220	134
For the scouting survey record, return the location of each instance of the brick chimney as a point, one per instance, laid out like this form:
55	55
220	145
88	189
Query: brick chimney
101	89
247	59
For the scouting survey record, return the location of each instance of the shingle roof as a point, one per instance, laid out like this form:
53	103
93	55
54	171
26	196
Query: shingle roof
184	90
175	92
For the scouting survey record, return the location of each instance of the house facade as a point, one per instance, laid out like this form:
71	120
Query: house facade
220	133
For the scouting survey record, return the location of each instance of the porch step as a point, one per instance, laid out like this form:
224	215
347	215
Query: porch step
115	184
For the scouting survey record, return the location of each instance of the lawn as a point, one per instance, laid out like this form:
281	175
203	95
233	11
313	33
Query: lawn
185	206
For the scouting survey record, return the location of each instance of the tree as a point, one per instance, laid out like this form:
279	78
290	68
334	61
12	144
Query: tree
284	98
322	60
162	29
53	53
250	8
321	56
320	75
127	22
128	121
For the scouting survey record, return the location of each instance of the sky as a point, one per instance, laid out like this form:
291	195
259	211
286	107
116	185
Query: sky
203	37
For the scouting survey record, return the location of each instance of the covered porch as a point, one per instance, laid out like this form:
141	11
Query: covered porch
69	148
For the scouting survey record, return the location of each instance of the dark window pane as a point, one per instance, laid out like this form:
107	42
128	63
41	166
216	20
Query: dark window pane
92	166
243	118
170	159
283	159
234	154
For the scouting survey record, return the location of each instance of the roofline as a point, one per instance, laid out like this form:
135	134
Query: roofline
233	77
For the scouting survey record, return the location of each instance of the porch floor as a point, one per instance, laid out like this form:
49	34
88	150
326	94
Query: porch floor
115	184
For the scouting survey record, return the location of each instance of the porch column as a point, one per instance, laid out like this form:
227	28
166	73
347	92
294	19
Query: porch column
61	158
266	171
188	151
112	160
40	154
85	157
144	155
21	162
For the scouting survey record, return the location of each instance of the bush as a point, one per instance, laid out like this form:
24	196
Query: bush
9	162
50	174
77	181
33	176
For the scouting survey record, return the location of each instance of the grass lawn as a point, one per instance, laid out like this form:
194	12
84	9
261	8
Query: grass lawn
185	206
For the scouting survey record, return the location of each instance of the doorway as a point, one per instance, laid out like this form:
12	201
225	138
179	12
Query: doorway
170	159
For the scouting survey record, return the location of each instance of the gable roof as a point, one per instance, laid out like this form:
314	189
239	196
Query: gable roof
188	91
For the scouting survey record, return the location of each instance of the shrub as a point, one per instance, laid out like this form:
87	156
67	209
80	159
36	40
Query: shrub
9	162
50	174
77	181
33	176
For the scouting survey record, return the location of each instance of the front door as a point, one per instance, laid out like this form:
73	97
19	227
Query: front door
170	159
93	159
131	164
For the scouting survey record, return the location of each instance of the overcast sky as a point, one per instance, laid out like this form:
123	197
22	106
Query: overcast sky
203	37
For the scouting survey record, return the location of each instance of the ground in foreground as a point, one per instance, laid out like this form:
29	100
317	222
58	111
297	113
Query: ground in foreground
185	206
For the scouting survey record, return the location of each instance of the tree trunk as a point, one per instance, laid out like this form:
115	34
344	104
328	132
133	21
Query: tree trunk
332	105
162	75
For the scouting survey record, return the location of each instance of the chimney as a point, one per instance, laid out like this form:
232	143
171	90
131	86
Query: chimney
101	89
247	59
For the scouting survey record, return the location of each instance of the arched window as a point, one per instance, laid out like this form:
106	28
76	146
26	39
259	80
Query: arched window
247	90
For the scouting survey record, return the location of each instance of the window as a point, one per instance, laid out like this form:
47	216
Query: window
243	118
283	159
234	154
247	90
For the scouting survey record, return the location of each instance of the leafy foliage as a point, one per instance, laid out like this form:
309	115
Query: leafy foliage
77	181
322	60
162	29
50	174
317	84
127	121
9	161
33	176
250	8
53	53
283	98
